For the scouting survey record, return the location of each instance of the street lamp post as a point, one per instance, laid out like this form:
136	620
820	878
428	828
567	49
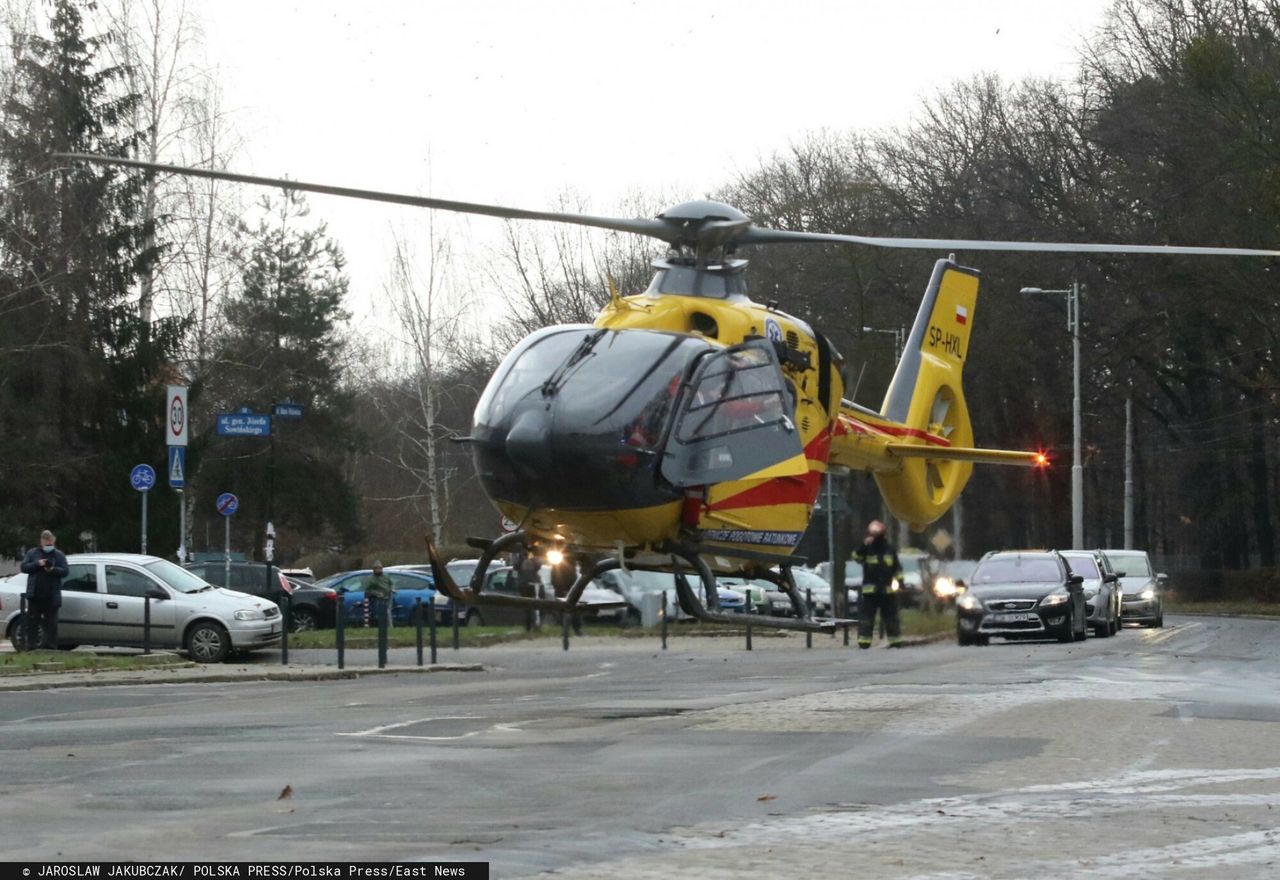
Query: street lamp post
899	342
1077	467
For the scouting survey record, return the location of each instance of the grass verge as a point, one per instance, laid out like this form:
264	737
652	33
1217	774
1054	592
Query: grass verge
75	661
1264	609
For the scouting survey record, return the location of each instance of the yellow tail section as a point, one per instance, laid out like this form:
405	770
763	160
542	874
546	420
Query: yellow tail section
926	401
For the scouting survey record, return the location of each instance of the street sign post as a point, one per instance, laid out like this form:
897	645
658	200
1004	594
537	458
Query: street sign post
176	415
142	478
227	505
176	420
244	424
288	410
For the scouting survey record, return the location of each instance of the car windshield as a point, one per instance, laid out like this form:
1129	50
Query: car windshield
1085	566
1132	564
177	577
1017	570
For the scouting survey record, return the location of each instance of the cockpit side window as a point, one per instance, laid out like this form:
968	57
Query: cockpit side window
735	420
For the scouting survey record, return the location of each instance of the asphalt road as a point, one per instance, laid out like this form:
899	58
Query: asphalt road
1152	754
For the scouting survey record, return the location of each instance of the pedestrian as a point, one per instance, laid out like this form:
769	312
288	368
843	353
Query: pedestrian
881	574
45	567
378	591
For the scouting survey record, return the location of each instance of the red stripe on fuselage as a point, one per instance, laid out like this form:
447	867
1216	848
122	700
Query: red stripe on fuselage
801	489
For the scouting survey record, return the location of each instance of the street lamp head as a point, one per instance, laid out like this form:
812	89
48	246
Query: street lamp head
1031	290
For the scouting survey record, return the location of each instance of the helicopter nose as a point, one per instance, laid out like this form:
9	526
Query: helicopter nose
529	443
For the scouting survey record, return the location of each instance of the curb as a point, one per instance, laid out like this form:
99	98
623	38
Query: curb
132	678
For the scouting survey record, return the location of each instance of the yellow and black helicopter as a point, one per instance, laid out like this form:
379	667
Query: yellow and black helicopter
690	427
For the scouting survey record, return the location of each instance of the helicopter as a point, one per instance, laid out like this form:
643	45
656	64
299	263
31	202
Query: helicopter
689	427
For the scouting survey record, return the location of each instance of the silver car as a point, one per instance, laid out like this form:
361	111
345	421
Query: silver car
104	598
1143	589
1101	590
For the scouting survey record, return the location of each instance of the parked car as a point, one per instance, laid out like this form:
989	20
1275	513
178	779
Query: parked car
1022	594
408	586
1142	599
642	591
1101	590
299	574
104	599
312	607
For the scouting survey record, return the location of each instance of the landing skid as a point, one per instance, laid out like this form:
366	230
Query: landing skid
711	612
473	593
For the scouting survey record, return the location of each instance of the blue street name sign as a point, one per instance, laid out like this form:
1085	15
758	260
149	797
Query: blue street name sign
177	467
227	504
244	425
142	477
288	410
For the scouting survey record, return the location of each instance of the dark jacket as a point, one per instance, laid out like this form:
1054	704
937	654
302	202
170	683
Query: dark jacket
880	565
45	583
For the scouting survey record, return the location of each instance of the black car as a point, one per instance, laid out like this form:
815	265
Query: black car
1023	594
313	607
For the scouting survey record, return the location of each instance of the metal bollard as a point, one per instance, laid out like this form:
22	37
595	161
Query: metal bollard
417	626
564	630
384	611
664	620
340	631
748	611
286	623
846	635
808	604
431	628
454	621
23	631
146	624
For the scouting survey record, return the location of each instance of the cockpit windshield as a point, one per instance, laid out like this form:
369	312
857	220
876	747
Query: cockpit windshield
576	416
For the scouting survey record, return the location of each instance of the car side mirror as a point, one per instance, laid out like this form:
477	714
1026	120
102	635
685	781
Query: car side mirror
156	593
1076	580
1121	574
1111	579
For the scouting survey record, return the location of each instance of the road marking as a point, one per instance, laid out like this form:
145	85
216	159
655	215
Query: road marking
380	731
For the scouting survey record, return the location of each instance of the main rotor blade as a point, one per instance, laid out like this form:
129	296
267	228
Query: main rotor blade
651	227
759	235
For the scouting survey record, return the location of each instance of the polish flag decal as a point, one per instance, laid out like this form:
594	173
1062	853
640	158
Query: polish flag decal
962	315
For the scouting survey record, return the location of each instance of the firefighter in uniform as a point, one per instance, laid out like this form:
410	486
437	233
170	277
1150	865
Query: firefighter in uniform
880	570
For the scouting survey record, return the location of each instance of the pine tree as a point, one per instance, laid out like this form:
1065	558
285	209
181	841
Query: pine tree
283	342
82	393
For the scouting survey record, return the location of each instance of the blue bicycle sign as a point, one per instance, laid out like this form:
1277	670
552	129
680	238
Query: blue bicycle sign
142	477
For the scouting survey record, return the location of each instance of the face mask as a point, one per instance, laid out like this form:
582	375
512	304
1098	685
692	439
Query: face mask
47	548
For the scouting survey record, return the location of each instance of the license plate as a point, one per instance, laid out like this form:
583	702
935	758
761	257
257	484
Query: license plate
275	630
1012	618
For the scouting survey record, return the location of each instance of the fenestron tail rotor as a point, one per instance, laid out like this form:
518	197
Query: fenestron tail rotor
705	227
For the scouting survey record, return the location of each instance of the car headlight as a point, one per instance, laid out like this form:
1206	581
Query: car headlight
944	586
1148	593
894	586
250	614
1055	599
969	602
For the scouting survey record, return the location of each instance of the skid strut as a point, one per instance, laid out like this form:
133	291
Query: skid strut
473	593
711	611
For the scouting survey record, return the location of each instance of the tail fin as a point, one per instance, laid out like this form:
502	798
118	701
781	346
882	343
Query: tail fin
927	398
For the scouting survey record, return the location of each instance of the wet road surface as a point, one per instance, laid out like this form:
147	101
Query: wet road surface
1155	753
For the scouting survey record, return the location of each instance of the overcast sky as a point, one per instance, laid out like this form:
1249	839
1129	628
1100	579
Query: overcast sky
516	103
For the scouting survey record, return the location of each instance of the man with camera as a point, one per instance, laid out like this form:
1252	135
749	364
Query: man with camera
45	567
